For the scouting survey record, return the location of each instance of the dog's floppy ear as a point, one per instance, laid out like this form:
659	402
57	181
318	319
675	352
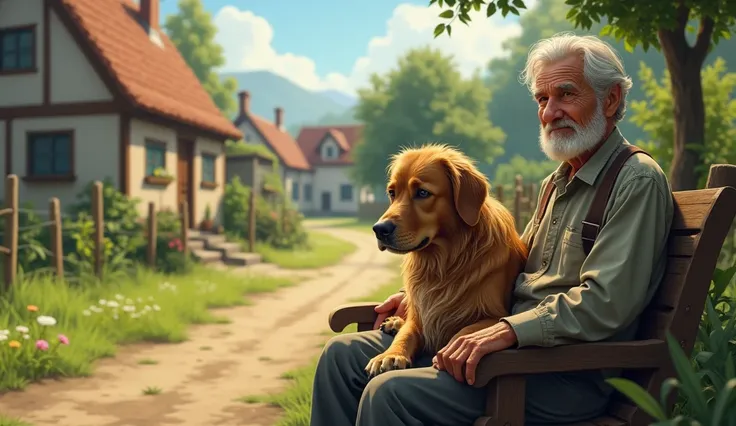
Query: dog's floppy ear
470	189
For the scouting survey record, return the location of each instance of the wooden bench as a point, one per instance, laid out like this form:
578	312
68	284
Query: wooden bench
701	222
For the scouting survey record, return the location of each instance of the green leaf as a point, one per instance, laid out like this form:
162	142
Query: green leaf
722	402
690	384
519	3
639	396
438	30
447	14
476	6
668	385
449	30
490	10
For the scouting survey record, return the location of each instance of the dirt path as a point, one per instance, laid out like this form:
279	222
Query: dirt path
201	378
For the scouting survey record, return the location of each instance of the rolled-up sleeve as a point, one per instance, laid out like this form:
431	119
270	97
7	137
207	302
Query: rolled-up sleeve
616	275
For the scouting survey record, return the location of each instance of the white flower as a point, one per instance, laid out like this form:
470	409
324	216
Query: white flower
113	304
115	316
129	308
3	337
86	313
4	332
134	315
46	320
146	308
119	296
103	302
139	300
26	336
21	329
150	298
156	308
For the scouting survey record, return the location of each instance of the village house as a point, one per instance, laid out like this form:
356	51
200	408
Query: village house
93	89
314	168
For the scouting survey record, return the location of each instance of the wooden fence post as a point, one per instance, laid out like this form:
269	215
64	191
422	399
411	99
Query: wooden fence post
57	250
97	217
11	229
184	212
519	193
499	193
252	221
152	235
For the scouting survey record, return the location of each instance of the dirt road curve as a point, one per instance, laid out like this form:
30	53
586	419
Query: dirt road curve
279	332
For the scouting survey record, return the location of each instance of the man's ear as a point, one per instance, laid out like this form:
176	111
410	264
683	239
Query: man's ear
470	189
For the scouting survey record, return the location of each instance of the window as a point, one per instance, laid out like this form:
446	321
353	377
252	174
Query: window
51	154
346	192
155	156
307	192
295	191
329	151
17	49
208	168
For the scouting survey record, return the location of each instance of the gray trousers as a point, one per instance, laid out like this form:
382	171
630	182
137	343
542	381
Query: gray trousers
343	395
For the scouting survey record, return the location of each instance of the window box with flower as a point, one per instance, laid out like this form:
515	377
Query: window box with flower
159	177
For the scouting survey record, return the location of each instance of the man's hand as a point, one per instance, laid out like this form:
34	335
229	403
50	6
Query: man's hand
467	351
395	302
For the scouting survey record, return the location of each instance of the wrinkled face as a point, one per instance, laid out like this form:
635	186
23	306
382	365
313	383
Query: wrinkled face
571	118
422	206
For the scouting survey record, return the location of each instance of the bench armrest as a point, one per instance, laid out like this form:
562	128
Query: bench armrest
352	313
637	354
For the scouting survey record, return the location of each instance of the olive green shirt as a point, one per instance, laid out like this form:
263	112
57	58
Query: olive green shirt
564	297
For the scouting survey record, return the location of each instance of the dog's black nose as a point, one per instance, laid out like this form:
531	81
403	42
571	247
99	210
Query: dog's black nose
384	229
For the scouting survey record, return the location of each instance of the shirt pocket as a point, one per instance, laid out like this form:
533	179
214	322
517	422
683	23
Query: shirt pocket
572	255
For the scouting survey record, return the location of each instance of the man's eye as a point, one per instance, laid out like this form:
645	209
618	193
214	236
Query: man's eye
423	193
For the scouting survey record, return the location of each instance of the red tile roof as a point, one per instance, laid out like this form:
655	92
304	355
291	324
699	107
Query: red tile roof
152	78
310	139
279	140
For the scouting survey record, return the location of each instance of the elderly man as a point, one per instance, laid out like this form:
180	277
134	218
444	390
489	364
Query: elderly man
562	296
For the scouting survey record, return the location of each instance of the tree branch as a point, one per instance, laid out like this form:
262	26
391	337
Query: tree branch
702	43
674	44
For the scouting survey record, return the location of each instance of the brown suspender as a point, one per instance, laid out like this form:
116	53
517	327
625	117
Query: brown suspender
594	219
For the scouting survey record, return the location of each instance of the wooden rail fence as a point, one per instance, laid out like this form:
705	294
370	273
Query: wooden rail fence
10	241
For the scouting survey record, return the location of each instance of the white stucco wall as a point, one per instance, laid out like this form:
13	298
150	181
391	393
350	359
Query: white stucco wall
72	77
209	196
327	179
96	155
161	197
301	178
23	89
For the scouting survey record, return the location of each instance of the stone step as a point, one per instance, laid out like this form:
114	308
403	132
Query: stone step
195	244
224	247
242	259
208	238
207	256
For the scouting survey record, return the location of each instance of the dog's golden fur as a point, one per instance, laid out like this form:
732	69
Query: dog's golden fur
461	278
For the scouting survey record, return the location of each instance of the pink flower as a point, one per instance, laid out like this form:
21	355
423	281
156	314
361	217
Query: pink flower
42	345
63	339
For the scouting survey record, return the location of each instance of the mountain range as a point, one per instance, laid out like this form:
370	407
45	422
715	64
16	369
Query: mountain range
301	107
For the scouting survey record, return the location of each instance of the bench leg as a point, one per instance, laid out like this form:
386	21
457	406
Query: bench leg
505	402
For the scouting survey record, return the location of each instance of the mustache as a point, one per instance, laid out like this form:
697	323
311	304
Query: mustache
559	124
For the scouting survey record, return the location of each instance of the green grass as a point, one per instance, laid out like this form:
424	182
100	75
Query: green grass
151	390
11	421
165	306
296	399
342	222
323	250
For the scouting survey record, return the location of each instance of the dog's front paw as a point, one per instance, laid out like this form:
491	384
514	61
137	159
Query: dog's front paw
387	362
391	325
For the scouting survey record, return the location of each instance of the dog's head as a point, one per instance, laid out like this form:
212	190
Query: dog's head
435	193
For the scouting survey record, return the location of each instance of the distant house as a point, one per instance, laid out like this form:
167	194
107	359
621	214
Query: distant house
93	89
314	167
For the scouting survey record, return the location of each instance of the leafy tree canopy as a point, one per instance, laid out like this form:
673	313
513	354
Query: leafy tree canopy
193	33
425	99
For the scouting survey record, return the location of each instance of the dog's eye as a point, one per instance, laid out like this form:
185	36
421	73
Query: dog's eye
422	193
391	194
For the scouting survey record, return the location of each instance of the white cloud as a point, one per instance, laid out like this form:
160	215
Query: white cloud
246	40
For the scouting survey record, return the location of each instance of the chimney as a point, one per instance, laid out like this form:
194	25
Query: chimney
279	117
149	13
244	97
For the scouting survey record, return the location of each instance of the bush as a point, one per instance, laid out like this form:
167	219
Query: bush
706	384
280	227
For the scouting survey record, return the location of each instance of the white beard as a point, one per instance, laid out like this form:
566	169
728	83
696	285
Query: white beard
563	148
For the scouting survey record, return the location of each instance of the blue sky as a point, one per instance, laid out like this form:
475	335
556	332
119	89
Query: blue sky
338	44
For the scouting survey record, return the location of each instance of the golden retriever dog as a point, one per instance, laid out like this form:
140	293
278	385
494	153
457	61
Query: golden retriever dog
462	252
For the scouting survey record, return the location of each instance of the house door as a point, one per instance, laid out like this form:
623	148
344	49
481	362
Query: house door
185	176
326	201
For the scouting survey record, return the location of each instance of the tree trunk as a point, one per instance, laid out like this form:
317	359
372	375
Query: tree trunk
684	63
687	94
